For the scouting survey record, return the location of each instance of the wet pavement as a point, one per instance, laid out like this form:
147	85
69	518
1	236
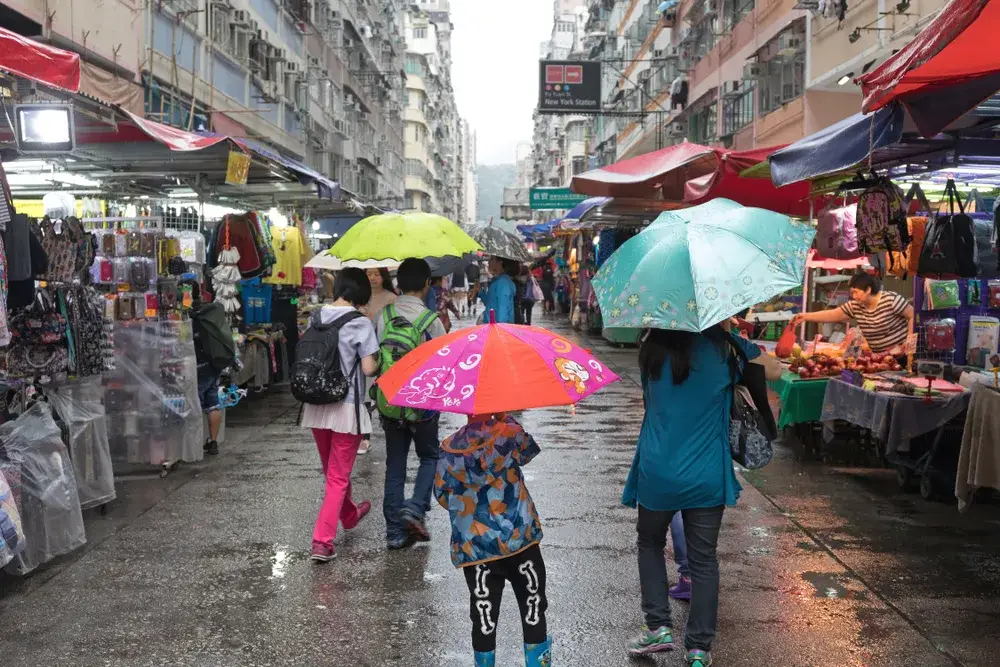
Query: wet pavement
821	567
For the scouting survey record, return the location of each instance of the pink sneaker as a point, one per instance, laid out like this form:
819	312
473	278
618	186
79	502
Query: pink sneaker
682	591
323	553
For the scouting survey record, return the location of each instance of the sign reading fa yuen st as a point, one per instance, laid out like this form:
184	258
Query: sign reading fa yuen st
567	86
554	199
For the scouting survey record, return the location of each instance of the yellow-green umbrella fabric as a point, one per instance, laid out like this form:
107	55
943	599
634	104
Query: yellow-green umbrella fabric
401	235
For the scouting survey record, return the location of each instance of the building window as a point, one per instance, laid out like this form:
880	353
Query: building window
737	109
734	11
703	125
420	33
577	132
704	39
414	65
579	165
781	82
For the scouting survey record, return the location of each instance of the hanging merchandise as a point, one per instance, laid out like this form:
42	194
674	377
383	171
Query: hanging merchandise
291	254
881	219
984	339
17	242
993	294
49	503
11	534
941	335
227	273
256	302
941	294
837	232
61	240
906	263
950	243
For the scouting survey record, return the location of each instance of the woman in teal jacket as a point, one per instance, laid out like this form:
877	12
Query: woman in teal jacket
683	464
498	295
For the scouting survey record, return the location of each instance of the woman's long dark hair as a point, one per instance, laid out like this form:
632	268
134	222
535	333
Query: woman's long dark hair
386	280
661	345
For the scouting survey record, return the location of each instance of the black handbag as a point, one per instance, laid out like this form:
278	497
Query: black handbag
949	248
751	422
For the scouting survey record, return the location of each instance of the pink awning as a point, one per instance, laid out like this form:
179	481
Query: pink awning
816	261
39	62
726	182
646	176
945	71
171	137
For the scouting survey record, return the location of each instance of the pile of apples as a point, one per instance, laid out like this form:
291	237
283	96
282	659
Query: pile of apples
874	363
822	366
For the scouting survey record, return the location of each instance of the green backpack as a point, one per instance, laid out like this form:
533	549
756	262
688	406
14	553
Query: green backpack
400	337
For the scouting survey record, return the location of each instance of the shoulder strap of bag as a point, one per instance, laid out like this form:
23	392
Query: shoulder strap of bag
425	321
916	192
341	321
388	314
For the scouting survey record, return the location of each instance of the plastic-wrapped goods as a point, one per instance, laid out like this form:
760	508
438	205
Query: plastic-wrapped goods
153	411
49	501
80	406
941	335
941	294
12	540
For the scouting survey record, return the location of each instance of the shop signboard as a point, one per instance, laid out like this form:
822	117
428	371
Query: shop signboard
569	86
552	199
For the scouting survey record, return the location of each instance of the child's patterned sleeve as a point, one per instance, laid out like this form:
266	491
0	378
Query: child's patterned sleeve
526	448
442	490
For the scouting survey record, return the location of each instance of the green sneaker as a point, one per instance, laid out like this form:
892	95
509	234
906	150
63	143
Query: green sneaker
699	658
652	641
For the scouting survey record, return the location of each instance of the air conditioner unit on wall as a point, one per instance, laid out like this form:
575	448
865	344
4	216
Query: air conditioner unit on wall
731	88
342	127
677	129
753	71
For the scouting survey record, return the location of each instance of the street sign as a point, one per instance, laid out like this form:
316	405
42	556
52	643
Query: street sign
569	86
550	199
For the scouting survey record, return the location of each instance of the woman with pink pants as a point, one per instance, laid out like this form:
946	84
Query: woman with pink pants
337	427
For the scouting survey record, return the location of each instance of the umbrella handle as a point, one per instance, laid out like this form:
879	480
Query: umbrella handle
493	316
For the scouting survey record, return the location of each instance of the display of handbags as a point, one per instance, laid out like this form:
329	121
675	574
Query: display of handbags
950	242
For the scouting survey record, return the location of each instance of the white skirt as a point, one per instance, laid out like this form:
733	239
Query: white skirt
339	417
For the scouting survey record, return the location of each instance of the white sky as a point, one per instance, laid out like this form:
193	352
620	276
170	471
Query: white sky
495	70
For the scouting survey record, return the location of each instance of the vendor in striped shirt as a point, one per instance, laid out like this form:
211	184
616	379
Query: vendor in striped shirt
885	318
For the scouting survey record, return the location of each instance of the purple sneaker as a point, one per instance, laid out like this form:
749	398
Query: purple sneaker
682	591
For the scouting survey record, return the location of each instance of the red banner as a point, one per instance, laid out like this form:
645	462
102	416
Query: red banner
39	62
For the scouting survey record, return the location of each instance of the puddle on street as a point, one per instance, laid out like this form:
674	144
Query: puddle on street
827	585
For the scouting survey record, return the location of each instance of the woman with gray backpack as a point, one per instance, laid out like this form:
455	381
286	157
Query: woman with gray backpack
333	356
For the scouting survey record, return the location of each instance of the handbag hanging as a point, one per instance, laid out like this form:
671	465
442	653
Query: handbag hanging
950	242
751	429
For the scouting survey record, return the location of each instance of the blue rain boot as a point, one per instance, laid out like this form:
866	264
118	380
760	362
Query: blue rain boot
538	655
484	659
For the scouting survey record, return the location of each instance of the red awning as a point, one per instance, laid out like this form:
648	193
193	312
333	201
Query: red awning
39	62
726	182
948	64
171	137
646	176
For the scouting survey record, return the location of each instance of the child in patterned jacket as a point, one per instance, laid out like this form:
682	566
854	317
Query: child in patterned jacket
495	530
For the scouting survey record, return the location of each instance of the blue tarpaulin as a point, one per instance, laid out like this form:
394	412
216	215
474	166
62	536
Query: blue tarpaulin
574	215
837	147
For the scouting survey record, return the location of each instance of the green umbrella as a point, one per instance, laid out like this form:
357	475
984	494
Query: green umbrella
691	276
401	235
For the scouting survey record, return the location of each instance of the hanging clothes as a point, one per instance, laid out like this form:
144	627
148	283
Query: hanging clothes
290	252
256	302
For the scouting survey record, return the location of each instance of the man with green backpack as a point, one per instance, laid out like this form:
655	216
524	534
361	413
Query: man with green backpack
403	326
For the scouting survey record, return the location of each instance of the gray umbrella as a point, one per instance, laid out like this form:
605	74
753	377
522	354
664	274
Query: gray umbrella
496	241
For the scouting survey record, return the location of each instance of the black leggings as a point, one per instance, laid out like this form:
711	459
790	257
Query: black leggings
526	308
526	573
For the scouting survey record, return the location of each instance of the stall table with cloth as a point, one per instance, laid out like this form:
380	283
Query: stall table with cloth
798	404
914	431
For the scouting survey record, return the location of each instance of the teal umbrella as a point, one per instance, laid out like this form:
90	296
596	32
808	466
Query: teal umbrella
711	209
691	276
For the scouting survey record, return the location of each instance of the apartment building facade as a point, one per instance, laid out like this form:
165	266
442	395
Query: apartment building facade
320	81
733	73
435	173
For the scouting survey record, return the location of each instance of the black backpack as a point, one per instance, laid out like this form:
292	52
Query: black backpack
317	375
950	243
215	335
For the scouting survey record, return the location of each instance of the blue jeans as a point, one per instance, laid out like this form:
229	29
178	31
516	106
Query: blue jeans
680	546
398	436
